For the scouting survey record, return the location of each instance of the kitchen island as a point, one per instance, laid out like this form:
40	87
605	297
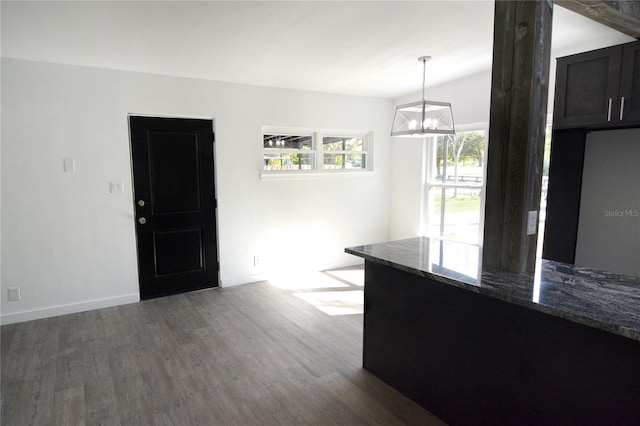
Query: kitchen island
476	345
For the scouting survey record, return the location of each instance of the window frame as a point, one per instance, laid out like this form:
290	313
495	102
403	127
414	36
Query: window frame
430	183
317	151
290	132
364	152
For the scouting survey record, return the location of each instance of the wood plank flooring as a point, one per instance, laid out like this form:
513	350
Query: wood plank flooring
247	355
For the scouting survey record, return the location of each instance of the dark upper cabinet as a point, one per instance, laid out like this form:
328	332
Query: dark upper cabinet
630	82
598	89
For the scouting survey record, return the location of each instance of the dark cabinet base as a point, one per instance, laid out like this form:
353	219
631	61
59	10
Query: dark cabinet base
471	359
563	195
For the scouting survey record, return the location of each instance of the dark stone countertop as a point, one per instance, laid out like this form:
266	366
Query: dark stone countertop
599	299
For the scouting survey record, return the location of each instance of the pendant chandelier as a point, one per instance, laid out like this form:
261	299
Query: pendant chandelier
422	118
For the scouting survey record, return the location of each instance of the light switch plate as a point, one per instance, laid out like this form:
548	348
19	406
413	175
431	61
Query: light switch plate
69	165
532	221
117	187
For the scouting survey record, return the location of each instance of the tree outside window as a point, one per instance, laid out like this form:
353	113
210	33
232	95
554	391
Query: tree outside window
456	185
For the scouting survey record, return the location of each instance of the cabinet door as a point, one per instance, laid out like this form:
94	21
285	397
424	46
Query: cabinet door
630	83
587	88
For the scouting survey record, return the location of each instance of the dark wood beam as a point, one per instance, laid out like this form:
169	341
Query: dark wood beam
519	92
623	16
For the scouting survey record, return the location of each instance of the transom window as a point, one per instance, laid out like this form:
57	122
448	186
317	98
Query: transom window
343	153
315	151
288	152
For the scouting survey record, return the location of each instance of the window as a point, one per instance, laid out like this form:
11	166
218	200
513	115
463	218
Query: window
288	152
315	151
455	186
343	153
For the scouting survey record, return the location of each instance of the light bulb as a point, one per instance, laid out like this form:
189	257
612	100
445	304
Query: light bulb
427	123
270	142
413	124
434	123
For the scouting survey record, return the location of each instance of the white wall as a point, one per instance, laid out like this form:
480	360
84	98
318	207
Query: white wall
609	223
69	244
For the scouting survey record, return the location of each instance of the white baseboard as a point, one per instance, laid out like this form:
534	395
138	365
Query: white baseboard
72	308
135	297
244	279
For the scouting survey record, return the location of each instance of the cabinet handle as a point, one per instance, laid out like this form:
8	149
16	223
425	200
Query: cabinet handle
609	109
621	108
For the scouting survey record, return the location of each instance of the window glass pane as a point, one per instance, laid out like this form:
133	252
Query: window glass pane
434	214
301	142
289	161
465	156
355	161
344	161
342	144
545	185
461	213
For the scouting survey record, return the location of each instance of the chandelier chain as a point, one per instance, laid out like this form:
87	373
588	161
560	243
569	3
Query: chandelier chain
424	71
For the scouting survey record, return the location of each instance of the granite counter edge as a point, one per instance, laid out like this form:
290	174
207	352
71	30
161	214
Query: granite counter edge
571	316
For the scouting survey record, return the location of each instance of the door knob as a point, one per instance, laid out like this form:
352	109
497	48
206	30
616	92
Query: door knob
141	203
142	221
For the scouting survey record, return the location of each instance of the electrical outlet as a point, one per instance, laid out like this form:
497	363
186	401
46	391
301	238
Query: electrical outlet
14	294
256	261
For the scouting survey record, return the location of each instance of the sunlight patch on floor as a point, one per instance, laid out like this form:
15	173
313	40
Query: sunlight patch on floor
335	302
334	292
304	281
353	276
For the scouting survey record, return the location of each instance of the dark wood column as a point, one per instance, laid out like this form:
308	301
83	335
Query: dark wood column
519	92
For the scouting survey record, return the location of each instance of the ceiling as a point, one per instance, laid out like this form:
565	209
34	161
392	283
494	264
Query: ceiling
349	47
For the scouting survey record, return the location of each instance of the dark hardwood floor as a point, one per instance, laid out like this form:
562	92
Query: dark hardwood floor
248	355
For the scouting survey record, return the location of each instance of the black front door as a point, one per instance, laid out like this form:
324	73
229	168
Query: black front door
175	204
